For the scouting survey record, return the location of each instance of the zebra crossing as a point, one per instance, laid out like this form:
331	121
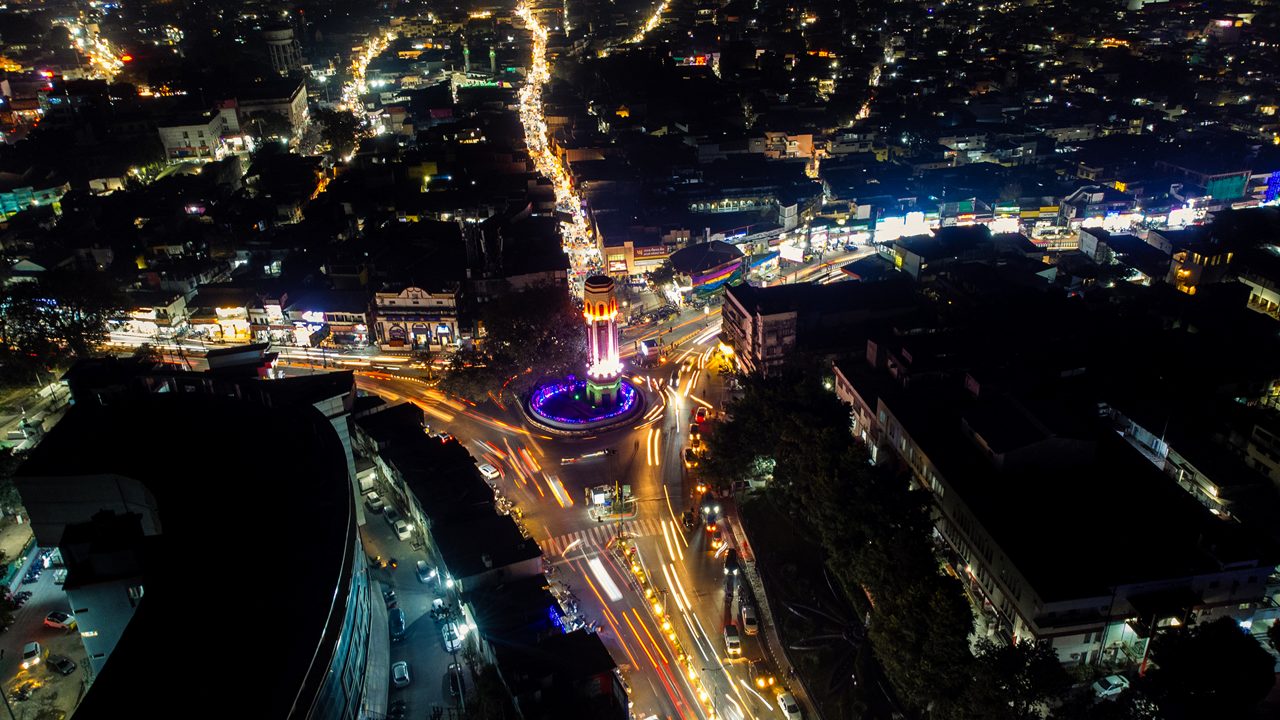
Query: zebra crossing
599	535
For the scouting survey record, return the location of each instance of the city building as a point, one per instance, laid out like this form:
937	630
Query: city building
198	136
141	533
414	319
1011	472
283	47
769	327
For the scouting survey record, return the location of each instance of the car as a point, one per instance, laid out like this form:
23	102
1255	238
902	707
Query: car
396	622
695	433
403	531
391	515
400	674
62	664
789	707
761	675
717	540
731	564
489	472
701	415
60	620
710	506
426	573
32	654
457	683
732	640
750	625
373	501
1110	686
389	597
690	458
452	641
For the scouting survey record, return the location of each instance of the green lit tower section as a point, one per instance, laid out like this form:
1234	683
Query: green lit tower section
604	369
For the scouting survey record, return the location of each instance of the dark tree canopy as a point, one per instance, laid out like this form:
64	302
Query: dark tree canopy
529	335
46	322
1211	670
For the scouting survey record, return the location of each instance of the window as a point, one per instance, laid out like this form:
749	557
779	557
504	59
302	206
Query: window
185	134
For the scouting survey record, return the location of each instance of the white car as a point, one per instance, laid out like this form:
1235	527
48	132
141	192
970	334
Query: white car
400	674
403	531
489	472
789	707
373	501
1110	686
732	641
449	631
750	625
32	654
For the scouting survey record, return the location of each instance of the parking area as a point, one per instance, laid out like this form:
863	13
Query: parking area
48	691
423	645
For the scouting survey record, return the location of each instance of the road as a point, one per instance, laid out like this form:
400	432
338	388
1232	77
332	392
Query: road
547	479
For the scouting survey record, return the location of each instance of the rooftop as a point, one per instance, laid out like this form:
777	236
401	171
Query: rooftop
196	498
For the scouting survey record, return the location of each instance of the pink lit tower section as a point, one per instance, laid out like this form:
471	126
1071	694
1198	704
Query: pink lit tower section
604	371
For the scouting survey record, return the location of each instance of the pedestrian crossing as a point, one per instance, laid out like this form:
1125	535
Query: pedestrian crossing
599	535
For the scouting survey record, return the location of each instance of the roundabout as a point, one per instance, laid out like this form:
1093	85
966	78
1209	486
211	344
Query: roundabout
601	400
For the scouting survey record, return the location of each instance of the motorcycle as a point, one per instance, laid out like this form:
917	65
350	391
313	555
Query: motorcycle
393	563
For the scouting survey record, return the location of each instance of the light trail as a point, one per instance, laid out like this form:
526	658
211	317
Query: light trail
753	692
606	582
557	489
701	402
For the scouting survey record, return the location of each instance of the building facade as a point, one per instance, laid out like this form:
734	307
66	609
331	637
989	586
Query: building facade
415	319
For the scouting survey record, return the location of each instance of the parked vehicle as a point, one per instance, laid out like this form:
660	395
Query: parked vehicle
400	674
789	707
389	597
32	655
60	620
452	641
396	621
489	472
1110	686
374	502
750	625
457	683
62	664
426	573
392	515
403	531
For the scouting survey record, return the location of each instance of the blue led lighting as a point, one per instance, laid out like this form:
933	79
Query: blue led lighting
544	395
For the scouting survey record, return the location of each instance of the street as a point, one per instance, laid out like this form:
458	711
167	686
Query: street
547	477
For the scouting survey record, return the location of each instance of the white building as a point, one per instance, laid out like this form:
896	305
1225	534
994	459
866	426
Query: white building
415	319
204	136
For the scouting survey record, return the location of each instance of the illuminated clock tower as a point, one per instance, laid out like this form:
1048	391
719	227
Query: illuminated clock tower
604	368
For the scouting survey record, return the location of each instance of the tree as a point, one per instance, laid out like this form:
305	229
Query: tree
10	500
1014	682
60	316
663	274
529	336
270	124
339	130
874	529
1211	670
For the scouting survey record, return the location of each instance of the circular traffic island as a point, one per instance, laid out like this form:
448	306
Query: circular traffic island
566	407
